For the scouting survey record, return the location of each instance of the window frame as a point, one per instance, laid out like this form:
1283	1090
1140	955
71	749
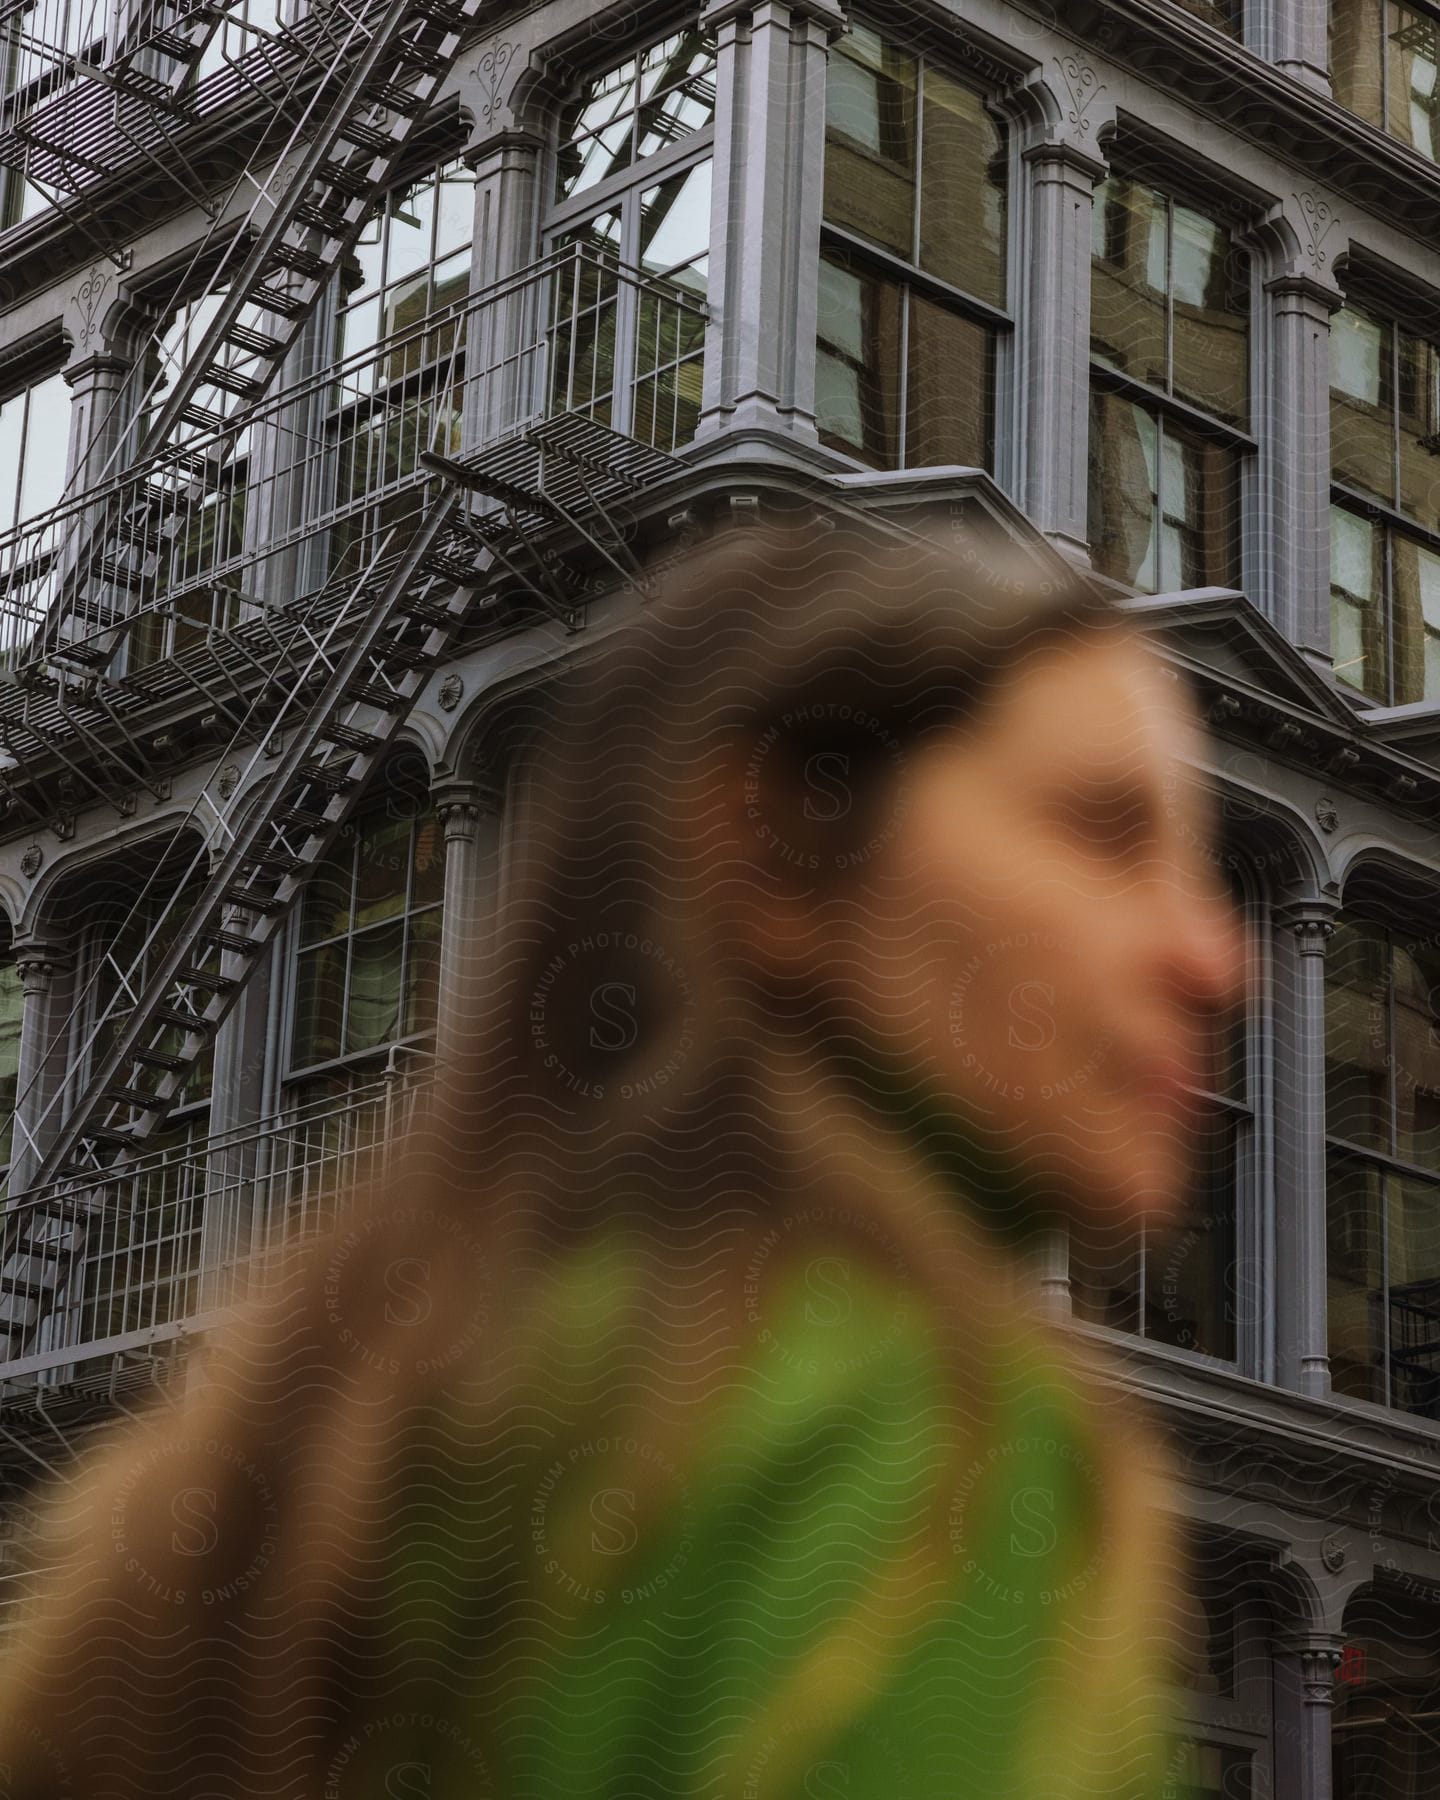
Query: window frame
1426	9
354	1063
1249	1109
1388	1165
1388	514
907	277
620	192
1102	377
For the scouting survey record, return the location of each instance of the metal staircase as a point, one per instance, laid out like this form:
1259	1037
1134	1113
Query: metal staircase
268	283
406	610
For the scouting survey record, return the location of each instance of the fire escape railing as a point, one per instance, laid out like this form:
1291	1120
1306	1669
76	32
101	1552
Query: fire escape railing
194	1229
317	457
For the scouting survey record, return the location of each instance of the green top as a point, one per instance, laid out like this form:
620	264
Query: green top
843	1587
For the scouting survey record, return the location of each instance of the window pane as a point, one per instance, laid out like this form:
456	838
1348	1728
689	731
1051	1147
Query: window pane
1355	1278
1357	1050
1191	1273
12	437
1105	1275
372	1016
677	89
319	1005
1124	483
1357	602
1357	37
1211	281
1411	46
1200	507
950	395
675	221
962	190
871	116
422	974
1414	1219
1415	976
1128	280
328	892
1419	430
47	435
427	875
382	867
1362	404
1415	619
1200	1771
860	330
12	1001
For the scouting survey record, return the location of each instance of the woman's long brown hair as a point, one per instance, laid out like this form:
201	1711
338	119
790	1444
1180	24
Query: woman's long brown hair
235	1597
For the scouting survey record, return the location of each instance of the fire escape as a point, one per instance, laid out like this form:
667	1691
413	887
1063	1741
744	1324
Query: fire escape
500	496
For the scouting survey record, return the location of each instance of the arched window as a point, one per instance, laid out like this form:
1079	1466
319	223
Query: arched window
1385	1734
12	1007
631	203
913	269
1382	1125
364	986
141	1259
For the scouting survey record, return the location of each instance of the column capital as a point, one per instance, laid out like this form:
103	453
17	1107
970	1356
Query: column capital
39	962
1318	1653
96	368
462	804
1060	158
1307	292
510	141
1312	921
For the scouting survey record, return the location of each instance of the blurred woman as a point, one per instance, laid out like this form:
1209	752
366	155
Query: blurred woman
680	1422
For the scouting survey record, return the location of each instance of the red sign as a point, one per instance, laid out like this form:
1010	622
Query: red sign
1352	1663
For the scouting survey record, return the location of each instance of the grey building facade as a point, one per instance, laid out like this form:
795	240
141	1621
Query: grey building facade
345	371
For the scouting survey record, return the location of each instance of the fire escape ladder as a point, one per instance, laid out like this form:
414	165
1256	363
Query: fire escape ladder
291	254
410	604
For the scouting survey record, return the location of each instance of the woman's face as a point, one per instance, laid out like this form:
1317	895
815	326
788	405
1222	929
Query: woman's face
1051	945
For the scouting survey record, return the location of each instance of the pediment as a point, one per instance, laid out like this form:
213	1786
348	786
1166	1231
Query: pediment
1222	634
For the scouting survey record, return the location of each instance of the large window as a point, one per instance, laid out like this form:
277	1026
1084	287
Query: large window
141	1258
412	263
1385	523
369	931
1382	1122
632	204
1170	399
363	994
1384	60
1178	1284
12	1009
913	286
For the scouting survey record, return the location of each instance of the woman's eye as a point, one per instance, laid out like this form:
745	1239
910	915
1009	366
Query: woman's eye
1117	823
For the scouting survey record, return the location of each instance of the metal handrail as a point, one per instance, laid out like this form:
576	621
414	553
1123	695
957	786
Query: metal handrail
496	385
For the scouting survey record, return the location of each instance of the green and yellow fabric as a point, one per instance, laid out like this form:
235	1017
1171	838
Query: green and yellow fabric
839	1581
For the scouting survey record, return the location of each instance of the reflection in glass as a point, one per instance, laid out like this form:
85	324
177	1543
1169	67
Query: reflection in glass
1354	1250
636	108
1164	502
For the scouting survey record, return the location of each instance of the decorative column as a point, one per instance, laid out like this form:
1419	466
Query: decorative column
1304	1687
1293	425
506	339
470	813
768	200
1293	34
96	383
1054	373
44	969
1302	1360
